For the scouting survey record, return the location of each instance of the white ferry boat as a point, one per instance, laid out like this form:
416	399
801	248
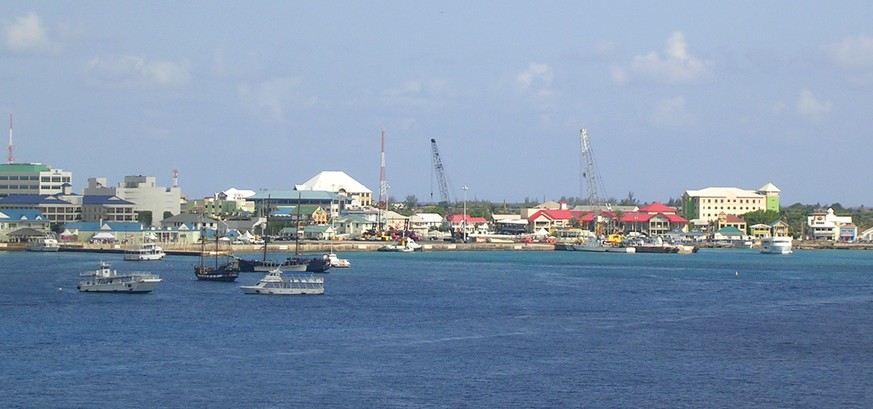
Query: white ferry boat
276	283
147	251
776	245
106	280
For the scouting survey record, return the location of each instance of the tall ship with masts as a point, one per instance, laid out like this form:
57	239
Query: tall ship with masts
224	267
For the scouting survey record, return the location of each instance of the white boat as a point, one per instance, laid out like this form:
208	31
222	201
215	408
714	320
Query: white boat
146	251
776	245
106	280
337	262
277	283
47	243
405	245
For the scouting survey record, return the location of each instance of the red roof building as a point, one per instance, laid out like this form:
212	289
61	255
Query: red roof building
653	220
456	222
551	220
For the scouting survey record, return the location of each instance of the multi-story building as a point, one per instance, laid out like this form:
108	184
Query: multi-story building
33	179
16	220
54	208
143	192
702	207
826	226
655	219
107	209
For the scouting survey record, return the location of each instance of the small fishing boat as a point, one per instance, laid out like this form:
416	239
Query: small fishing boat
337	262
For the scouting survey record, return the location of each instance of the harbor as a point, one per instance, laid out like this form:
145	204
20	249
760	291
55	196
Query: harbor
720	328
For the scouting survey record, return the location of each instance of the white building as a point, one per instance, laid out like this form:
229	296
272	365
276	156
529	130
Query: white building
825	225
341	183
422	223
143	192
703	206
33	179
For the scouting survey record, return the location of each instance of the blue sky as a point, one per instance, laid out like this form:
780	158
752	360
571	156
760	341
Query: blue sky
265	95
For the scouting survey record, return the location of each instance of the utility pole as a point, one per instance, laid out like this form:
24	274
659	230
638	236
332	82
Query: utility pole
464	188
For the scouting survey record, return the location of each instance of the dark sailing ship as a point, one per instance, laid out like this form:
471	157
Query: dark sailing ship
222	270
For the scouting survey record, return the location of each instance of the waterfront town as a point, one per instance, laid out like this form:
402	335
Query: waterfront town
37	201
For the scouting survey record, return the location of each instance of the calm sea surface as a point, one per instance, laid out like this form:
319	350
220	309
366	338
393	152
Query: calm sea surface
721	328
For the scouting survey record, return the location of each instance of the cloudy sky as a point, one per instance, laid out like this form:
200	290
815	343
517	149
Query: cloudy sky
264	95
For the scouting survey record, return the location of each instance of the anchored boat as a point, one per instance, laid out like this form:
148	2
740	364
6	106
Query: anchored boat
106	280
277	283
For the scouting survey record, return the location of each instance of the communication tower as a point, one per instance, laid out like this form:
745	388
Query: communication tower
10	158
383	184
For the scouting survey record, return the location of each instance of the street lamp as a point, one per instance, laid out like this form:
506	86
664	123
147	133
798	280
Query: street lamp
464	188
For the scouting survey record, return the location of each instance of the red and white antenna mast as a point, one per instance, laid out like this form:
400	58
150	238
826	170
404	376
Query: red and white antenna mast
11	157
383	184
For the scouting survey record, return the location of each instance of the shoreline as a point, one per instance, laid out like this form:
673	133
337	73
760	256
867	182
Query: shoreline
310	247
371	246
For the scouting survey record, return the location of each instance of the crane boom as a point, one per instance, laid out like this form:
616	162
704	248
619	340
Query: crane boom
440	173
589	169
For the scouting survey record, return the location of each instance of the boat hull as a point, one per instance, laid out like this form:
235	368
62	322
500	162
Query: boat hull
43	249
143	257
600	249
254	290
226	277
134	287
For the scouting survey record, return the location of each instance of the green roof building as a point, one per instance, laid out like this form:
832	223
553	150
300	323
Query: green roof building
33	179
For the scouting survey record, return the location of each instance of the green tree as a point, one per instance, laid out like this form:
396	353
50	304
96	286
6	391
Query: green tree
144	217
761	217
411	201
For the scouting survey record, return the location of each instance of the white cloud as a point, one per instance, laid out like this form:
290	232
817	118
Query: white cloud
671	114
853	52
270	100
420	93
811	107
28	34
675	66
137	70
535	75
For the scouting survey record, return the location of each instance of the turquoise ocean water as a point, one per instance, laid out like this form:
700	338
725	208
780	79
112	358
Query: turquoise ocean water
721	328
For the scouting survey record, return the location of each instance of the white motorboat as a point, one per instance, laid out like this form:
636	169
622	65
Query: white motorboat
277	283
106	280
776	245
47	243
146	251
405	245
337	262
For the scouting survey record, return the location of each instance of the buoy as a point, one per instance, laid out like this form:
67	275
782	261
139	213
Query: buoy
60	289
737	273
